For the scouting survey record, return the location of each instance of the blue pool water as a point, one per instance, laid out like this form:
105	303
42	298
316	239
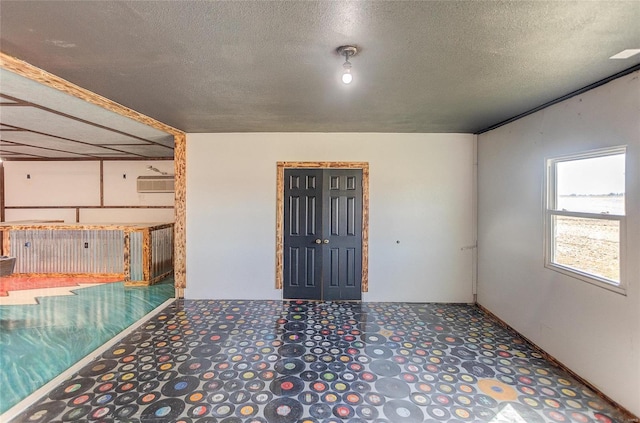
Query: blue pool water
38	342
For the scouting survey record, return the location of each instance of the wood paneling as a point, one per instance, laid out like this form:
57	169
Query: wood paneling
281	166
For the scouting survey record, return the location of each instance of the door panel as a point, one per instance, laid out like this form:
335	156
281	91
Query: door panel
302	223
323	205
344	221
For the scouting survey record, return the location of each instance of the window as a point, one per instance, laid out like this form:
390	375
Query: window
585	217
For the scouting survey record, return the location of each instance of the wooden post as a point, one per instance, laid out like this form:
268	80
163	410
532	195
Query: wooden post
6	244
146	255
1	192
280	226
126	258
179	231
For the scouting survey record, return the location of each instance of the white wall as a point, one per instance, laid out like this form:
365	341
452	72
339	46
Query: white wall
76	184
421	194
593	331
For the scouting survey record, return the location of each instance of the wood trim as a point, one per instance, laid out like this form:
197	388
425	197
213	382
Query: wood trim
161	226
26	226
87	207
1	192
136	283
629	416
127	257
86	156
24	103
146	255
158	278
281	166
6	243
34	73
280	226
69	275
77	159
180	210
365	228
101	183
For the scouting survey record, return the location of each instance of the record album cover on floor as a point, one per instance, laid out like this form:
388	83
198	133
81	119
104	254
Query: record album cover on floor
289	362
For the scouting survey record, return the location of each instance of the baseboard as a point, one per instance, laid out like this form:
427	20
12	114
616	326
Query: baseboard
628	415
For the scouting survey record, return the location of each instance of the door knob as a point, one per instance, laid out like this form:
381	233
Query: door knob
318	241
326	241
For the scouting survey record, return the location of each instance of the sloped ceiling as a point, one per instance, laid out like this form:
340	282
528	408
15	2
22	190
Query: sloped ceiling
38	122
224	66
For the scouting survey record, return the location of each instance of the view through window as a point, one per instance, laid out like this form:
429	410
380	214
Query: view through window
586	216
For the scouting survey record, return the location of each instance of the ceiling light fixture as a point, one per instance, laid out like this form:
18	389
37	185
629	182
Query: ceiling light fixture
347	51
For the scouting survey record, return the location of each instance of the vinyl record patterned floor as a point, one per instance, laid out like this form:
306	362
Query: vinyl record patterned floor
290	362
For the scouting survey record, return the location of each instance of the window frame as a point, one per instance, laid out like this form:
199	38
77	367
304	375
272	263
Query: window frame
550	211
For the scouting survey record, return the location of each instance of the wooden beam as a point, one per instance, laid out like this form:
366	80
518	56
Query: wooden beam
2	218
180	234
127	256
101	184
112	276
34	73
48	225
146	255
6	243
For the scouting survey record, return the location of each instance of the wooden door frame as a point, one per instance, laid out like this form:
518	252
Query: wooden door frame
281	166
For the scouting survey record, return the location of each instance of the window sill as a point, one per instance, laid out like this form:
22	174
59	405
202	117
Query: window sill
593	280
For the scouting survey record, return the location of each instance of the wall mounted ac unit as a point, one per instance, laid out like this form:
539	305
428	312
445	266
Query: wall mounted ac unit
156	183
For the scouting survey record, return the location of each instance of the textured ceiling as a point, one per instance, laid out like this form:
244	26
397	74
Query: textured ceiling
427	66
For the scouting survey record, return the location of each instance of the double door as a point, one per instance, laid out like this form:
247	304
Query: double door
322	234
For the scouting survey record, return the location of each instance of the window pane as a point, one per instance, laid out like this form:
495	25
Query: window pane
588	245
593	185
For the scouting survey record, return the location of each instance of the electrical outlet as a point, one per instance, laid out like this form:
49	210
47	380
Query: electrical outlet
86	245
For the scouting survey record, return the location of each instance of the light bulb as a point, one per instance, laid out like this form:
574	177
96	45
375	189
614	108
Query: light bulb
347	77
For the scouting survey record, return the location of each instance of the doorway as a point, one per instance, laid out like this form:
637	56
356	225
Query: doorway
322	230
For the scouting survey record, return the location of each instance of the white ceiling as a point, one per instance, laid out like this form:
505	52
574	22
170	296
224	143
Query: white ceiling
226	66
39	122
